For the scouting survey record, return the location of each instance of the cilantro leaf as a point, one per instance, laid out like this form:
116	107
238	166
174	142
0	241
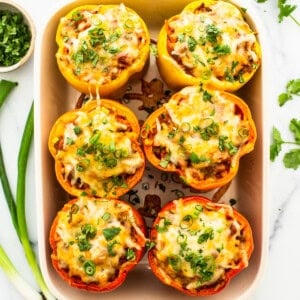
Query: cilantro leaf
291	159
295	128
292	88
283	98
111	233
276	143
285	10
195	159
222	49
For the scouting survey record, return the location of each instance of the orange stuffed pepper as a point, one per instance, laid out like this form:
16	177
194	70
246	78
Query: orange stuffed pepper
208	42
199	245
96	242
96	150
100	47
201	134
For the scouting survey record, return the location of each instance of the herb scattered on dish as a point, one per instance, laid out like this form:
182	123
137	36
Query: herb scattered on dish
15	37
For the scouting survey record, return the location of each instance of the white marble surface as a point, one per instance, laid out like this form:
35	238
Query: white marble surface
280	279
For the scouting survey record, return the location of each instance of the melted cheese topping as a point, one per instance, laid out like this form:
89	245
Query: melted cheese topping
99	45
213	42
97	149
196	245
203	129
101	232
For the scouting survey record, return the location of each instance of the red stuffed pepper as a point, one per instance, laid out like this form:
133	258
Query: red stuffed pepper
96	242
199	245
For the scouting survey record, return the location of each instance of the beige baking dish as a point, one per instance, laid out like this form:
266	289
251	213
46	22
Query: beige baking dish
53	97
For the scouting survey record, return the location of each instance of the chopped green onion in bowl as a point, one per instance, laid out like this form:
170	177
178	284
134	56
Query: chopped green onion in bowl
17	34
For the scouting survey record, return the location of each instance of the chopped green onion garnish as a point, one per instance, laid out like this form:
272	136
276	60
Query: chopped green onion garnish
106	216
186	222
89	268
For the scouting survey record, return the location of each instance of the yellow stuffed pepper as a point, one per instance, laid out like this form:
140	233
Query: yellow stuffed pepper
96	150
201	134
100	47
208	42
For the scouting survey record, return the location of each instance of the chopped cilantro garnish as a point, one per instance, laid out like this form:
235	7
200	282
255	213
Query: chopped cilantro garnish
111	233
87	233
150	245
209	131
97	36
212	33
222	49
130	254
192	43
208	234
110	248
206	96
15	37
195	159
175	262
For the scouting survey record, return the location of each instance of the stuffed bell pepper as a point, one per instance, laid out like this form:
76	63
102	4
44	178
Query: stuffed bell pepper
199	245
201	134
96	242
208	42
96	149
100	47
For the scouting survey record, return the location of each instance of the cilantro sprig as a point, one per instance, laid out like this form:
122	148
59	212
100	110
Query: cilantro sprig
291	159
285	10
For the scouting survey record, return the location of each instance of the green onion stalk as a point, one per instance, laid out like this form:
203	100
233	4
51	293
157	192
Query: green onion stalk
6	87
8	194
20	202
17	210
21	285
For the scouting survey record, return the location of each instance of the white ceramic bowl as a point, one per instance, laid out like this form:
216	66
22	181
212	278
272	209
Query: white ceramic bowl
14	7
